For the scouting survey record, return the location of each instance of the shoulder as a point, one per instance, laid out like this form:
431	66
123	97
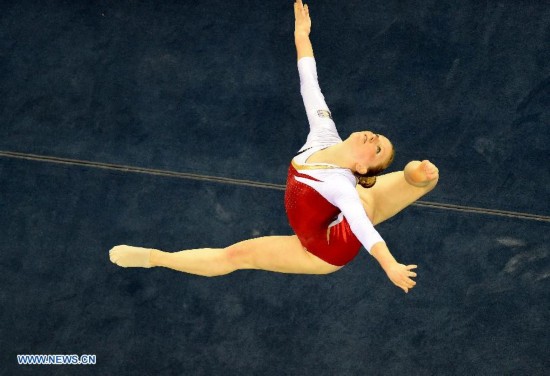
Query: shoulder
343	185
341	180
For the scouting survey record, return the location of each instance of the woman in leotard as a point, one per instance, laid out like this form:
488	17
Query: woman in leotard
333	199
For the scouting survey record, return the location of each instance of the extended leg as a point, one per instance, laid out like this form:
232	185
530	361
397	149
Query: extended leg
283	254
395	191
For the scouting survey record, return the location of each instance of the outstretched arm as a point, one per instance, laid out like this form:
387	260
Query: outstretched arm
322	128
361	225
302	28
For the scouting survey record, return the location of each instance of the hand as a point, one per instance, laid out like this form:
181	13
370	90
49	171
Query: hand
302	25
401	276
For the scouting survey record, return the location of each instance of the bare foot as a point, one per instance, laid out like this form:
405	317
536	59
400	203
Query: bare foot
420	174
130	257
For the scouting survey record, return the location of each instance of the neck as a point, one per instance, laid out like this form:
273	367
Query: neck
336	154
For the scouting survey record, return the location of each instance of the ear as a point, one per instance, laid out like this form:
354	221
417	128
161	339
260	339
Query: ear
361	168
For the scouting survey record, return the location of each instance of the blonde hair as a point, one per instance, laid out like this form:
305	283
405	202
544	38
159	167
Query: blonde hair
369	179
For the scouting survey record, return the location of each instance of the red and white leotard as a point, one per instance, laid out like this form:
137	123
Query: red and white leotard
321	201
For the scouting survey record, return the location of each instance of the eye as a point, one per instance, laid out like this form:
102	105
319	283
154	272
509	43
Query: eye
378	150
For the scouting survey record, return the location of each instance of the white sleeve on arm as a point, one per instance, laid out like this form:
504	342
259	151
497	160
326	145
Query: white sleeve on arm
322	127
348	201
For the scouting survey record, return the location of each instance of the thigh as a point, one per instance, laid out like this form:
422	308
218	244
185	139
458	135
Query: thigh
389	196
284	254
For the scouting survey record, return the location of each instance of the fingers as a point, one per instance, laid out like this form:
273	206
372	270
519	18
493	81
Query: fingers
409	268
407	286
300	9
402	276
407	282
302	20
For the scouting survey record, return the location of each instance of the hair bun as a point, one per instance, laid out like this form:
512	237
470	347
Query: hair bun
366	181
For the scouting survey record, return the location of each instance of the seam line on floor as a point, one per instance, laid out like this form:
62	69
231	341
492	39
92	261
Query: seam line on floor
250	183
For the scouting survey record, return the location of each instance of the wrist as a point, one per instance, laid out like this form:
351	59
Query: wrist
301	34
388	264
382	254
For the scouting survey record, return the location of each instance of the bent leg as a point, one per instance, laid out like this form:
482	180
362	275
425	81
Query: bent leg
395	191
284	254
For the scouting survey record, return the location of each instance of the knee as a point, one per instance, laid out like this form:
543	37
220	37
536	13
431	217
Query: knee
239	256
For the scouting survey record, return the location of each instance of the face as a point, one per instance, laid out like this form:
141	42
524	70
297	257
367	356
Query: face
370	149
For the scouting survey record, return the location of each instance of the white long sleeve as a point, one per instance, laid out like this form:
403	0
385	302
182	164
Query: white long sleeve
322	130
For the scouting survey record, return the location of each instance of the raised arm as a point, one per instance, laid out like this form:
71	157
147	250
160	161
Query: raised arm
322	127
302	28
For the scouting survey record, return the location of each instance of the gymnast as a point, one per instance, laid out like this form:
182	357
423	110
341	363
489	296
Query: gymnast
333	199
